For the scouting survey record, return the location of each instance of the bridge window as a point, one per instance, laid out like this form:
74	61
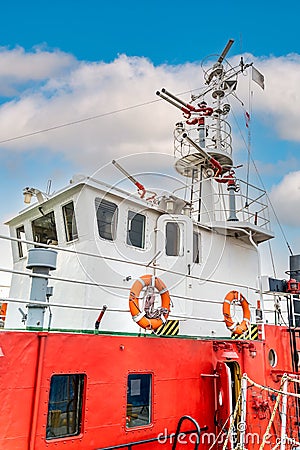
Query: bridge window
136	229
107	214
44	229
65	406
22	247
70	222
139	387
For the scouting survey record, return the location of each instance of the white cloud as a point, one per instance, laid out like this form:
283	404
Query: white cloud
18	67
286	199
68	91
96	88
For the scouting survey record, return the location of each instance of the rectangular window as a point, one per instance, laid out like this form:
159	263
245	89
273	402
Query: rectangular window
196	247
107	213
172	239
139	387
136	229
22	247
65	406
70	222
44	229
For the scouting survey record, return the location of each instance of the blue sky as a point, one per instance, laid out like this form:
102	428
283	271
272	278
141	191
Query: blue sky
63	61
164	31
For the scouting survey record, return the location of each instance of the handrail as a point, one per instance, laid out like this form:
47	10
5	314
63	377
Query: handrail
198	431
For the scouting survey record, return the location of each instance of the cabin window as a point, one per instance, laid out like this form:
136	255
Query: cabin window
173	239
65	406
139	387
196	247
70	222
136	229
107	214
22	247
44	229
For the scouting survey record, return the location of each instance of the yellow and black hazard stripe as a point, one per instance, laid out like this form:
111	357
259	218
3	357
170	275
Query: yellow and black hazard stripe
170	328
250	334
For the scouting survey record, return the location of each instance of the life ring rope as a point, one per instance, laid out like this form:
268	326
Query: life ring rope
140	316
236	327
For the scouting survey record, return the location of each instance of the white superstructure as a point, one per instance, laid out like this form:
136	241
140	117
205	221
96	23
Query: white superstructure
193	240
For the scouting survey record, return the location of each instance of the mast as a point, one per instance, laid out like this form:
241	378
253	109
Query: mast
203	142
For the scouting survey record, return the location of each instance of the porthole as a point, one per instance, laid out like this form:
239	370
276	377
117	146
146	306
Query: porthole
272	357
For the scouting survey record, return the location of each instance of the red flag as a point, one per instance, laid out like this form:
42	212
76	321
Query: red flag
247	118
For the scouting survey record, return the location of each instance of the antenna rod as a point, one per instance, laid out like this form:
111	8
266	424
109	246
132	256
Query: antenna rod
226	50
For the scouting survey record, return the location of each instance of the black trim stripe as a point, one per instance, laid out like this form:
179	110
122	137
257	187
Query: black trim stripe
170	328
251	334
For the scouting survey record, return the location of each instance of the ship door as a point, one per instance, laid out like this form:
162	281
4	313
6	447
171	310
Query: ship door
174	247
228	384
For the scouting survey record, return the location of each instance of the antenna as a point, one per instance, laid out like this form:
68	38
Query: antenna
48	188
225	51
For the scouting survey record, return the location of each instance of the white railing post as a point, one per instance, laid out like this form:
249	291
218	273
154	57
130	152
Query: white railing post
242	425
283	414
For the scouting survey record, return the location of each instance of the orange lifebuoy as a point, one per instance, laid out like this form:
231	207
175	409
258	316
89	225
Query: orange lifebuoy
140	317
236	327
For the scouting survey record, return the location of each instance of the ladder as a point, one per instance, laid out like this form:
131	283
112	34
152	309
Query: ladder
197	431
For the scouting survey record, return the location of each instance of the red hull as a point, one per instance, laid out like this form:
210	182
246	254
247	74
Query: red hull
180	384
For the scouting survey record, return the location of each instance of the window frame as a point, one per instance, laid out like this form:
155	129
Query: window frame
21	246
180	239
54	242
73	223
150	400
114	222
129	220
197	258
79	412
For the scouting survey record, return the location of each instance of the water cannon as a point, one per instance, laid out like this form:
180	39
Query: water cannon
204	154
186	108
140	187
218	69
225	51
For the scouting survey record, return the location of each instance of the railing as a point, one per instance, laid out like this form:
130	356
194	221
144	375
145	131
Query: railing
251	203
182	148
122	289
